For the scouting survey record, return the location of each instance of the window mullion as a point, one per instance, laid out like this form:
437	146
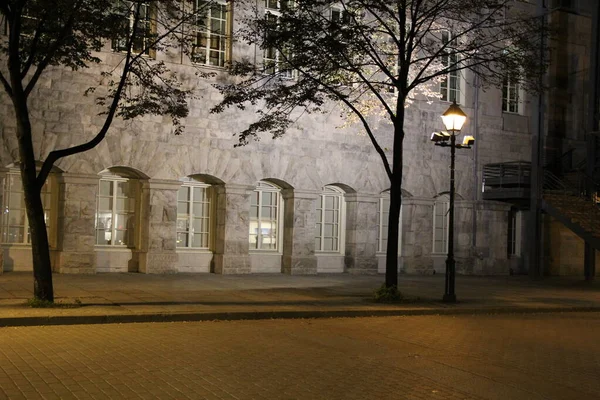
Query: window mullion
113	227
190	207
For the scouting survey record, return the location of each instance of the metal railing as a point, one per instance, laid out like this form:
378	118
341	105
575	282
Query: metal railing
508	174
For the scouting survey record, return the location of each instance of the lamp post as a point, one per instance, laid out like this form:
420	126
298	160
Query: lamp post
453	119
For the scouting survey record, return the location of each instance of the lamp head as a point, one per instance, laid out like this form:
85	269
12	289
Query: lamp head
442	136
454	118
468	141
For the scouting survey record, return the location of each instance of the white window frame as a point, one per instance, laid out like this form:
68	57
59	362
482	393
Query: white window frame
511	96
203	27
208	220
277	59
118	44
441	207
49	201
336	193
132	236
383	215
261	188
514	233
456	76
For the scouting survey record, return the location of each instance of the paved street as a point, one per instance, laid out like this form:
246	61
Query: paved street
508	356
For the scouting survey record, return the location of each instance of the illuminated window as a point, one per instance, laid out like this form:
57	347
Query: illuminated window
115	216
450	85
274	61
211	33
142	30
329	220
15	225
440	224
264	232
510	96
193	215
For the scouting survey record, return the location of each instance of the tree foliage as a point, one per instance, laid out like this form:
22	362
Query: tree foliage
375	57
72	34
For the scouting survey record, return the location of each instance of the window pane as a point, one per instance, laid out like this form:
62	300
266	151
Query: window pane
102	237
182	224
198	225
200	240
329	202
16	217
121	237
183	193
123	189
182	239
199	194
124	221
105	188
182	208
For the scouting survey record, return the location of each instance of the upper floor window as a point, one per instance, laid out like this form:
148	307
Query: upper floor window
330	223
210	33
141	31
441	208
510	96
274	60
194	215
14	226
115	212
265	217
450	85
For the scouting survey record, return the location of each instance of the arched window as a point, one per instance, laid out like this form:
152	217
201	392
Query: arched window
383	216
194	200
116	210
440	224
330	222
15	225
265	217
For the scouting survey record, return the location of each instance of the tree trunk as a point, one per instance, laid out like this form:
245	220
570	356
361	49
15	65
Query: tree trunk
40	251
40	248
391	262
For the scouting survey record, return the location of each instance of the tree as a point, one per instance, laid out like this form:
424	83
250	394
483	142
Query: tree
375	57
70	33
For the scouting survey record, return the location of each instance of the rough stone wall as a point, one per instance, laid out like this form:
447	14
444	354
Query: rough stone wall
313	154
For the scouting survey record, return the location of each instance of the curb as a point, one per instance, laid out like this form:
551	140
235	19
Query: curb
265	315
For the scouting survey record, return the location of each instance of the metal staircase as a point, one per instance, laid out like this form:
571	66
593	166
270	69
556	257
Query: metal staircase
575	203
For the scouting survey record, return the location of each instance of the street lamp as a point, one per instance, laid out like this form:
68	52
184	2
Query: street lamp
453	119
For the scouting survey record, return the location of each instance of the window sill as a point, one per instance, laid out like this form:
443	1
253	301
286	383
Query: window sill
210	67
266	252
193	250
102	247
328	253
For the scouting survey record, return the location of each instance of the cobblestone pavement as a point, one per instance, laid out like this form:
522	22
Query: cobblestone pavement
531	356
103	298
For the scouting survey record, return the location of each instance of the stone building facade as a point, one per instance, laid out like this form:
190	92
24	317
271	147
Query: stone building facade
314	201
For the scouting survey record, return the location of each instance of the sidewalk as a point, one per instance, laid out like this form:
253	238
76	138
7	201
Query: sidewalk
114	298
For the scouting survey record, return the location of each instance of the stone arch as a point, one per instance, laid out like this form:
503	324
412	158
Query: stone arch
278	182
207	178
342	186
38	165
126	172
405	193
457	196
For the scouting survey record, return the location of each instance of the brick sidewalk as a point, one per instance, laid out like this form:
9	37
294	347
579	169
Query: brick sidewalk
107	298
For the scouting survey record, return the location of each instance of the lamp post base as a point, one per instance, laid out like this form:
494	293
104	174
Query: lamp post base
449	298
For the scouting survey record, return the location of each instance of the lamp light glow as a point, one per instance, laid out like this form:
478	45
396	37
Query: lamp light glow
454	118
